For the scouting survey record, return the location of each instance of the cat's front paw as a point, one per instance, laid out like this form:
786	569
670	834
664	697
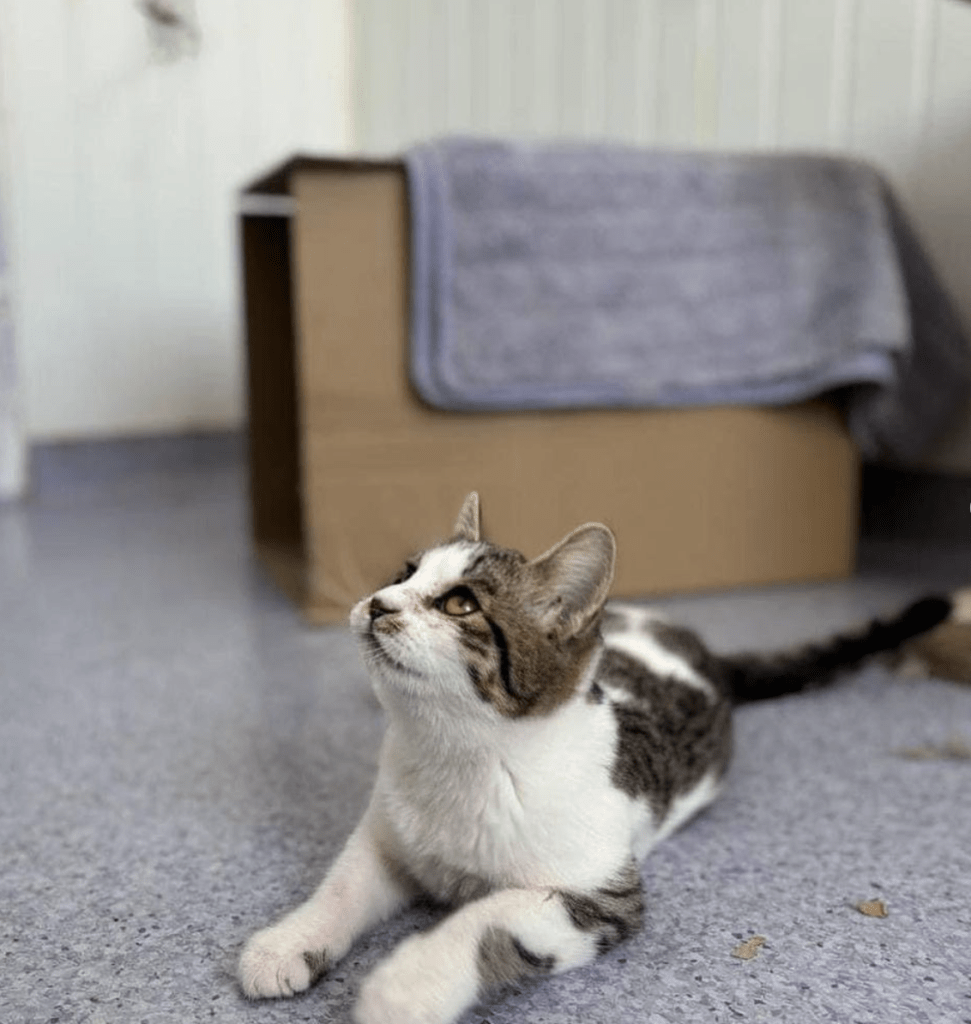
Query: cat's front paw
278	962
412	988
390	1001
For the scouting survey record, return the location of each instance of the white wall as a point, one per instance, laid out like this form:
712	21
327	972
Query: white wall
127	142
13	454
887	79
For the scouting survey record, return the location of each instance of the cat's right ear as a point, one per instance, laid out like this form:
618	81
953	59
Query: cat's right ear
467	526
573	578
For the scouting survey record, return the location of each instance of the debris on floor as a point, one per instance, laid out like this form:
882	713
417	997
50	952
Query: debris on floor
872	908
954	749
749	948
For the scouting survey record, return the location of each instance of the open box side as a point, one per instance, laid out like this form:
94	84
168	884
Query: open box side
276	489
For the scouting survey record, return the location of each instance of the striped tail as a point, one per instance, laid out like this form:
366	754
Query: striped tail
752	677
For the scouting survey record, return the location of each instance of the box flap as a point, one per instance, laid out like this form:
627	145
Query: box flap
277	180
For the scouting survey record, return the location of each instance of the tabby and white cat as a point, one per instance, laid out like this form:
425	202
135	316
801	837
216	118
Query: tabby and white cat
537	747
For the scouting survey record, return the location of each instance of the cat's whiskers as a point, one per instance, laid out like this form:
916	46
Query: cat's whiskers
380	656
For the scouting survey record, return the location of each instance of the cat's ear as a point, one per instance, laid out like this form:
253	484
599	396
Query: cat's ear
467	525
573	578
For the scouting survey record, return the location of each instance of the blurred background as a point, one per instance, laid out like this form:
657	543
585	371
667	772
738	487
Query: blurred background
126	129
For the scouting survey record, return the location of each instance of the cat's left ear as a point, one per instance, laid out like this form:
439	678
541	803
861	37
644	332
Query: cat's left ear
467	526
573	578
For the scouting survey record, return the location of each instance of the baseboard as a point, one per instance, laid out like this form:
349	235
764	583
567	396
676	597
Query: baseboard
898	504
77	468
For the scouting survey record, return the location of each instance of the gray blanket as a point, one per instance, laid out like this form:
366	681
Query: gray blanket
563	276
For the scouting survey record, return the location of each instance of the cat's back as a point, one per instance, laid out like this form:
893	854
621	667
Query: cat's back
673	715
647	656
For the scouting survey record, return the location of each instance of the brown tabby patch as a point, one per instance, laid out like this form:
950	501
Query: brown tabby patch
690	648
503	959
613	913
612	621
512	662
669	737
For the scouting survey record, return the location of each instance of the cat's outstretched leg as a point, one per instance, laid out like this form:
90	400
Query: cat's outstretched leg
505	937
358	892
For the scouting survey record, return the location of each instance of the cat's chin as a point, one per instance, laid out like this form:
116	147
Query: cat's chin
377	656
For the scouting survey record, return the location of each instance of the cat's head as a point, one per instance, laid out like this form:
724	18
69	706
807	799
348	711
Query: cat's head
471	623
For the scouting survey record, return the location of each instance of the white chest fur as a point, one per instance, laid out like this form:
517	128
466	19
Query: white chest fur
518	802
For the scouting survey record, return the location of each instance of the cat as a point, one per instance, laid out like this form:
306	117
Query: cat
538	745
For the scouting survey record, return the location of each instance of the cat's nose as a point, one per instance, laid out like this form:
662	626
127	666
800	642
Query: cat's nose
377	608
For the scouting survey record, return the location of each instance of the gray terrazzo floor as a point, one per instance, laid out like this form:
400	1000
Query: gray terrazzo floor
180	758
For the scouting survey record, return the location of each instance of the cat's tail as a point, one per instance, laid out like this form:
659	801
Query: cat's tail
752	677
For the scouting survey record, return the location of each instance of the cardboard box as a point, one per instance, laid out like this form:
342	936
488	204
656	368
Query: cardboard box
351	471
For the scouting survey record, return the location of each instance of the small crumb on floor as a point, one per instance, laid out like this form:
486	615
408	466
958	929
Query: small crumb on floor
954	749
872	908
749	948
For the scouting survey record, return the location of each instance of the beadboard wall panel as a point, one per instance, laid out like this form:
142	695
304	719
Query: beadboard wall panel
887	80
128	142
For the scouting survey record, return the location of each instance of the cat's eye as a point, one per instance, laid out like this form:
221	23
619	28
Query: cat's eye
406	573
458	602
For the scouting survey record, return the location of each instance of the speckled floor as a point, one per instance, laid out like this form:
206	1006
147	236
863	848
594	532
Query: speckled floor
180	758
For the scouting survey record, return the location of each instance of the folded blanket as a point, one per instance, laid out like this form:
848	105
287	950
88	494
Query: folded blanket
564	276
